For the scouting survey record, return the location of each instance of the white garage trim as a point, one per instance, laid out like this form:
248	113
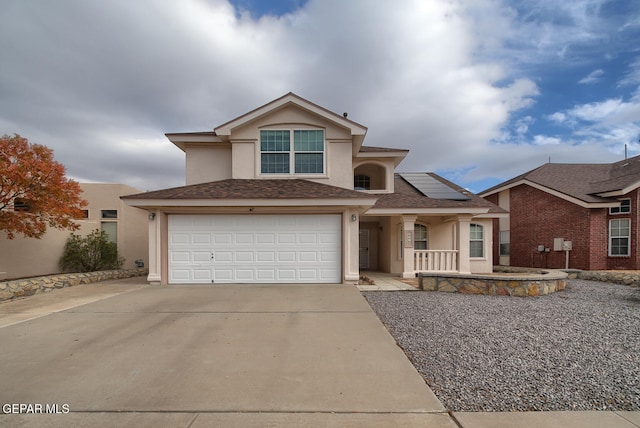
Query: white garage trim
254	248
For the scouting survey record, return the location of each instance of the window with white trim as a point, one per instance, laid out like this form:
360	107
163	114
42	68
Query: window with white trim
420	239
619	237
624	208
279	156
476	240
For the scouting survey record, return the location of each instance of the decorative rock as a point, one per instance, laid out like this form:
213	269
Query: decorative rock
519	292
447	288
502	291
22	288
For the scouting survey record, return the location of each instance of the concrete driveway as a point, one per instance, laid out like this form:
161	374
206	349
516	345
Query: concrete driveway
196	356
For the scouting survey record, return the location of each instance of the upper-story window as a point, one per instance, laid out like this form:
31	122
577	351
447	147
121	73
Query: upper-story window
279	156
362	182
625	207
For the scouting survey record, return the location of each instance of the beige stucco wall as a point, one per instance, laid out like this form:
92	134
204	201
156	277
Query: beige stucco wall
485	264
23	257
205	163
241	158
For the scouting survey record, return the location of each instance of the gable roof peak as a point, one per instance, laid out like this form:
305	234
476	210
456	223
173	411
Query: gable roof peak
286	99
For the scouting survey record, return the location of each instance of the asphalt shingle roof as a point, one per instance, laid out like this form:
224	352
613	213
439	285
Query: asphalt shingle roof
253	189
582	181
405	195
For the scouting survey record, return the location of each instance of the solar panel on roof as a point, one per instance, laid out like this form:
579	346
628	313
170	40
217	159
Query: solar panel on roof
432	188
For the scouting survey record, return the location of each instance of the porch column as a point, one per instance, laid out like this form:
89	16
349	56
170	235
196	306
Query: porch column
155	256
464	226
351	226
408	269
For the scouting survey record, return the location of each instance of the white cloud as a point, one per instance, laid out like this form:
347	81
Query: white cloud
543	140
557	117
593	77
632	76
101	82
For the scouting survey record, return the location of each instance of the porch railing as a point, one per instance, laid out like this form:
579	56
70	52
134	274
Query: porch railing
435	260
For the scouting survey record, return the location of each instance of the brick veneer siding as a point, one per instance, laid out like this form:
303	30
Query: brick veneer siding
537	217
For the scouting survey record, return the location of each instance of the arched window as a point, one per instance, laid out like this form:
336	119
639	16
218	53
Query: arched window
362	182
420	239
476	240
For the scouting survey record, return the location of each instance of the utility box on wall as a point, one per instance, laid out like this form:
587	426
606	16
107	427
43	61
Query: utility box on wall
557	244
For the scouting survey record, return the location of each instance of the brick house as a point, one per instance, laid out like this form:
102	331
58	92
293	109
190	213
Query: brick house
583	215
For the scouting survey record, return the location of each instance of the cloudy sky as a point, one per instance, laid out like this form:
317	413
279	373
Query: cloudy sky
478	90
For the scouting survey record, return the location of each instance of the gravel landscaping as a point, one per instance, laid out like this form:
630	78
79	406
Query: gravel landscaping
578	349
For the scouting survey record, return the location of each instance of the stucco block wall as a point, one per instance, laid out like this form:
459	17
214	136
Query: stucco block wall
25	257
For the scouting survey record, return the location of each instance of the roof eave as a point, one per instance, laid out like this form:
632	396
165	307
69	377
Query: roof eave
619	192
427	211
213	203
182	139
573	200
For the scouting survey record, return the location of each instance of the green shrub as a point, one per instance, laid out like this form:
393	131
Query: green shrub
90	253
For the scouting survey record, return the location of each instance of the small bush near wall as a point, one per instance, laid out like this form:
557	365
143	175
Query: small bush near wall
28	287
90	253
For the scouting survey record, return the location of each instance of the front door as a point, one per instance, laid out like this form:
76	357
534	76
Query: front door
364	249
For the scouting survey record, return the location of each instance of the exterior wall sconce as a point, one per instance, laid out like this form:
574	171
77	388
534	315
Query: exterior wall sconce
354	217
152	216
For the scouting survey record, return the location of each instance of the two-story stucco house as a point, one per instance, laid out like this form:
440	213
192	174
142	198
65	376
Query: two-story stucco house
288	193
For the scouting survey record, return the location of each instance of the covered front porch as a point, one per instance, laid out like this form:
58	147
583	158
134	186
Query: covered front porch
405	245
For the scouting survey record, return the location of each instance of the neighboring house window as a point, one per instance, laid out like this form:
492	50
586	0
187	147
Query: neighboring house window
110	227
85	213
362	182
476	240
110	214
277	156
619	237
625	207
504	242
420	237
20	205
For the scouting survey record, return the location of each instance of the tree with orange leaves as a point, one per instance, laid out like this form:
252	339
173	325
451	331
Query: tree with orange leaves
34	191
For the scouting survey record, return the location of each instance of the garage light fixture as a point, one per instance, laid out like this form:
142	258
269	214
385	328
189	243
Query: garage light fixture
152	216
354	217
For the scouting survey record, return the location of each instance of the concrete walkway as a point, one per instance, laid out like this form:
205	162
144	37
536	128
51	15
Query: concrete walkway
123	353
382	281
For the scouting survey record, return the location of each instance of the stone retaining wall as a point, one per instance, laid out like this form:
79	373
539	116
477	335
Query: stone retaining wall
527	284
42	284
629	277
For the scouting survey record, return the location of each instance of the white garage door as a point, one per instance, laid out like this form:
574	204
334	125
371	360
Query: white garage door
255	248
